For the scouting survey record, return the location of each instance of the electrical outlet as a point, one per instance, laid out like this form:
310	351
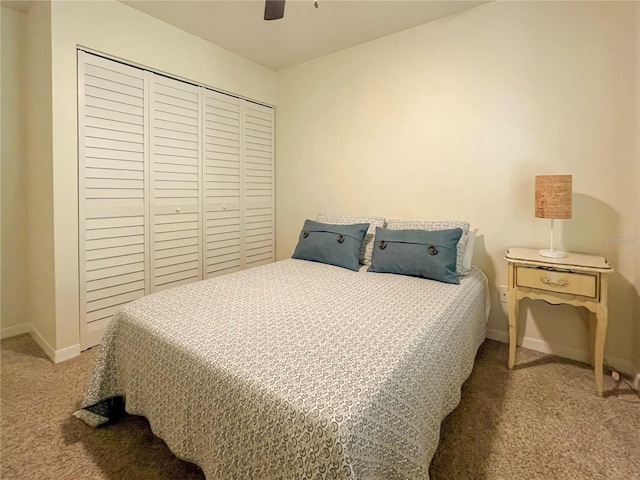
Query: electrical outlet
502	292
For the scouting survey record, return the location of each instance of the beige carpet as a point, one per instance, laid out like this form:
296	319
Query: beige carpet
540	421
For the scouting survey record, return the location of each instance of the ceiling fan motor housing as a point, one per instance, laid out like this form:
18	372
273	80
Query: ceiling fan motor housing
273	9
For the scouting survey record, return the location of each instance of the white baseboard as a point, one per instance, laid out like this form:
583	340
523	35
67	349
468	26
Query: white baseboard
497	335
56	356
15	330
581	355
44	345
66	353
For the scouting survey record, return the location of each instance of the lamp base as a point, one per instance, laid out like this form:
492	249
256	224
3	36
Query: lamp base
552	253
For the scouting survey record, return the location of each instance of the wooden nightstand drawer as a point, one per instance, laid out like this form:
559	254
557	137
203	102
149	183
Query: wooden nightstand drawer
582	284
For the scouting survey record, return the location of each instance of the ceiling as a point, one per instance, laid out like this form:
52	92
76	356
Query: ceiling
304	33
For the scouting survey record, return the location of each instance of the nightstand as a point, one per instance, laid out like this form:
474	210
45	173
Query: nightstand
578	279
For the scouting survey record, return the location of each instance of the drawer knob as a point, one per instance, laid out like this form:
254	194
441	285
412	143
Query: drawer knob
560	283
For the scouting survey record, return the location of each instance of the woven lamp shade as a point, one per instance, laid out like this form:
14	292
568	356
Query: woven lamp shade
553	196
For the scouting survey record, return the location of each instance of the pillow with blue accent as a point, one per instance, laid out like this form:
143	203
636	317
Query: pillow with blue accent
337	245
418	253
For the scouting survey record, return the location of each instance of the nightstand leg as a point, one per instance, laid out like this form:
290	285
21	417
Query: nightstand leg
513	322
590	319
593	322
601	331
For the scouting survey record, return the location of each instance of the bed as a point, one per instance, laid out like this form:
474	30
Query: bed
294	370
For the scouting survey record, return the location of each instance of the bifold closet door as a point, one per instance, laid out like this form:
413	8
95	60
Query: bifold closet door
238	184
175	213
258	189
175	185
113	241
222	179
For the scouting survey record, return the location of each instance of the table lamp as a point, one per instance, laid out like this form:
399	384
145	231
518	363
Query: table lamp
553	200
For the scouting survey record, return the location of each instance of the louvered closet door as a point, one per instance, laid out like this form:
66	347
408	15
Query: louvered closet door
175	183
257	179
222	178
112	239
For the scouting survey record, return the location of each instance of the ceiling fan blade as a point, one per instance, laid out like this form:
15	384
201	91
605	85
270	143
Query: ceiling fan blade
273	9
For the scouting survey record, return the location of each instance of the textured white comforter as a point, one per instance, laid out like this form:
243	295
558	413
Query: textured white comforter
297	369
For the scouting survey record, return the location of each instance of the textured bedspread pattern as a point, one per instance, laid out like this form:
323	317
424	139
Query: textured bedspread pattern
296	370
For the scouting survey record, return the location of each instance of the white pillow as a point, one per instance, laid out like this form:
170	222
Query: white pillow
468	250
366	250
395	224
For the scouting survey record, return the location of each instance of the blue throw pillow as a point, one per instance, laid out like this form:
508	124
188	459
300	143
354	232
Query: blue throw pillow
418	253
333	244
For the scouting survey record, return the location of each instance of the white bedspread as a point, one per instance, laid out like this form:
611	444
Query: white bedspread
297	369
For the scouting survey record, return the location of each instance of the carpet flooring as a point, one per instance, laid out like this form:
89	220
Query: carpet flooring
542	420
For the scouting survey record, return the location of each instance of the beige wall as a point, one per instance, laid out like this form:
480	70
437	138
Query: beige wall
636	317
40	269
453	119
13	172
116	30
27	173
